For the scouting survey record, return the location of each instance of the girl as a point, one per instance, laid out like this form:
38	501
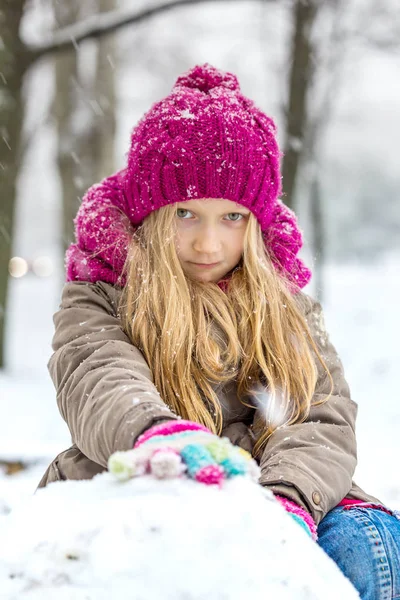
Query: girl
183	320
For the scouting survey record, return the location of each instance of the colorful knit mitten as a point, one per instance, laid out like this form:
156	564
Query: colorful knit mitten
301	516
176	448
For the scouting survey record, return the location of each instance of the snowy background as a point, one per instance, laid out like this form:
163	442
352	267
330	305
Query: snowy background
361	182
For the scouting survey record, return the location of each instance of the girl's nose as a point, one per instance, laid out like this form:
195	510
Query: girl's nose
207	242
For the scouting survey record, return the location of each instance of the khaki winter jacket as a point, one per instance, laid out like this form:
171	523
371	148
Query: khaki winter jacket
106	394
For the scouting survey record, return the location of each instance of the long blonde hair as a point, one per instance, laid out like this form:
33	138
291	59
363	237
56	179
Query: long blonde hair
193	334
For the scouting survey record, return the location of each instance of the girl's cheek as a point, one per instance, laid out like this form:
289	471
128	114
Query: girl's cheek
184	229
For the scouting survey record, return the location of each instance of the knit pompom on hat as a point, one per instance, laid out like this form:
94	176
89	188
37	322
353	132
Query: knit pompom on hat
204	140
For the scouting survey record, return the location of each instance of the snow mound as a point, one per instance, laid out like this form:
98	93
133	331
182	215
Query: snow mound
147	539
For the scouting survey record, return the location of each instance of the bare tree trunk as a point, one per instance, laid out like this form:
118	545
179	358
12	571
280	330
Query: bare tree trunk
330	63
85	113
300	82
66	74
13	62
96	147
318	242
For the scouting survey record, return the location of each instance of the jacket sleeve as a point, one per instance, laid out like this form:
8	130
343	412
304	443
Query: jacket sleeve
312	463
105	389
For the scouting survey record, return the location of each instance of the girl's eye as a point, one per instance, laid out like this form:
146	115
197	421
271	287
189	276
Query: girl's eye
184	210
237	214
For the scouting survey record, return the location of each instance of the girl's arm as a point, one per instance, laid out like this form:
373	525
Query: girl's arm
312	463
105	390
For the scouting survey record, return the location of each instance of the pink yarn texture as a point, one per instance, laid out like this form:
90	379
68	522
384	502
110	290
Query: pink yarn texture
168	429
210	475
204	140
294	508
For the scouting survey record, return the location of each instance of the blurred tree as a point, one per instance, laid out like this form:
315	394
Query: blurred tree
339	27
84	107
99	25
64	106
13	63
300	81
379	25
329	51
97	145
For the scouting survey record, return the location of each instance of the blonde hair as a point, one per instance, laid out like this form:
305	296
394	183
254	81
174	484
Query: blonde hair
193	334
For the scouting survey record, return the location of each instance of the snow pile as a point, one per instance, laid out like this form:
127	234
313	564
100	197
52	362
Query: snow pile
160	540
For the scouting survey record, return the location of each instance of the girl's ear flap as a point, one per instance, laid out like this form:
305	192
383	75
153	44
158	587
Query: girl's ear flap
103	233
283	241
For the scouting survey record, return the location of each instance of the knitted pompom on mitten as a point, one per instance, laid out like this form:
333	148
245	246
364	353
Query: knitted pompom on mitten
301	516
180	447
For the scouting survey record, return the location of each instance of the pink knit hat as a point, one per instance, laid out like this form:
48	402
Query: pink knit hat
204	140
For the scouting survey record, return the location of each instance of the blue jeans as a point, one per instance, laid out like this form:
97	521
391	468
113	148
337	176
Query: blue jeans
365	544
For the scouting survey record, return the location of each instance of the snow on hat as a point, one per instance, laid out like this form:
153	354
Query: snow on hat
204	140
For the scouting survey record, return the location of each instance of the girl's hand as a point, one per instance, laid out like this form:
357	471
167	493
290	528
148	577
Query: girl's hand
183	448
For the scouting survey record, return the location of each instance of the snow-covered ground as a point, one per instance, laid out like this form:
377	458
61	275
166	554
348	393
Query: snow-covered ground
161	540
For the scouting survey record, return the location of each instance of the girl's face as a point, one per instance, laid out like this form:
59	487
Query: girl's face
210	231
